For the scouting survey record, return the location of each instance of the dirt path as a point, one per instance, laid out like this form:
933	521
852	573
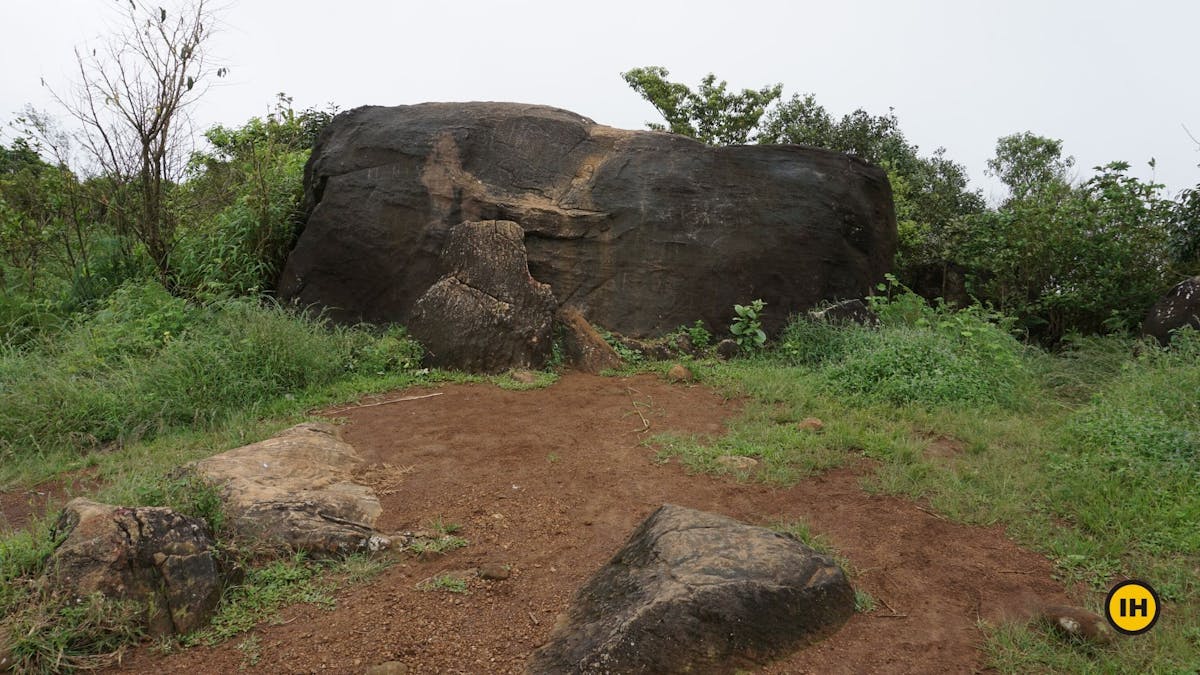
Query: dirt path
551	482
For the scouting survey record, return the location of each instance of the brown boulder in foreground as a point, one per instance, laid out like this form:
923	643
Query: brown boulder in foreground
296	491
698	593
147	555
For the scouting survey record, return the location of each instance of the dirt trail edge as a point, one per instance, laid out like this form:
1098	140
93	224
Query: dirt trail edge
550	483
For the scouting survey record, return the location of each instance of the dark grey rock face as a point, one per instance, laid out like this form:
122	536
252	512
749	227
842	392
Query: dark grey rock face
693	592
640	231
1178	308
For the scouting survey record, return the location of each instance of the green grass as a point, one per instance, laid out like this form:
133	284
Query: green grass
265	590
444	582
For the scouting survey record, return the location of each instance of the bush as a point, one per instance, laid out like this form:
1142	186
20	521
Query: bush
922	355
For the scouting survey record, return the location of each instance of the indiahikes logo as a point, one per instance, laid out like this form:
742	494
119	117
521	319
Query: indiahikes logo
1132	607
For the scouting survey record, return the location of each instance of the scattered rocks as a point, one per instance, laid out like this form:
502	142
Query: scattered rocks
1075	624
296	491
585	349
810	424
737	462
149	555
727	349
680	373
1179	307
486	313
696	592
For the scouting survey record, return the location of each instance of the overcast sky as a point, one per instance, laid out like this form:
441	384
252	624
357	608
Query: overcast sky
1114	80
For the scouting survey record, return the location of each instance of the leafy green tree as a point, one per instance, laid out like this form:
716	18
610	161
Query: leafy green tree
711	114
244	198
1026	163
1065	259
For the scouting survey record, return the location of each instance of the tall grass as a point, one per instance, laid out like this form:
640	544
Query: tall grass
147	363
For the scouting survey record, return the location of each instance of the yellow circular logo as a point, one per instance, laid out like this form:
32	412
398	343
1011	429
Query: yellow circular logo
1132	607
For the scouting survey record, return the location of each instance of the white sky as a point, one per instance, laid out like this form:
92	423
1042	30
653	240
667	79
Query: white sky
1114	80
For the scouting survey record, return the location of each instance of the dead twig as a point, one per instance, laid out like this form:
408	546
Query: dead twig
645	423
935	515
534	619
393	400
894	614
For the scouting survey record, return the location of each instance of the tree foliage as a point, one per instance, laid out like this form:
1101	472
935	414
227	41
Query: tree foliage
711	114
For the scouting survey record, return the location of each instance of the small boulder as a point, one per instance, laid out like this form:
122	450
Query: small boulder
1178	308
698	593
296	491
585	349
727	349
486	314
1079	625
680	373
846	312
149	555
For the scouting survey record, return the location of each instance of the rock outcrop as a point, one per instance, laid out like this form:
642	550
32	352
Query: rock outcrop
693	592
148	555
296	491
1178	308
641	231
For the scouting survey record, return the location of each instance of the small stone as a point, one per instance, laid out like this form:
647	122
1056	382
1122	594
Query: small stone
727	349
388	668
524	376
810	424
494	572
1073	623
680	373
737	462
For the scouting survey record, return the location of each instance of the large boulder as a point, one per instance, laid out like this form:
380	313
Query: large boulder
296	491
149	555
693	592
486	314
1178	308
641	231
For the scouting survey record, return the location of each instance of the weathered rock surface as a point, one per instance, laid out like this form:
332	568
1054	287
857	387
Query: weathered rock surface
149	555
642	231
698	593
296	491
1179	307
846	312
585	349
1076	624
485	314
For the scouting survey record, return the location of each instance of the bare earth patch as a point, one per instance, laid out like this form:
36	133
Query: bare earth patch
547	484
